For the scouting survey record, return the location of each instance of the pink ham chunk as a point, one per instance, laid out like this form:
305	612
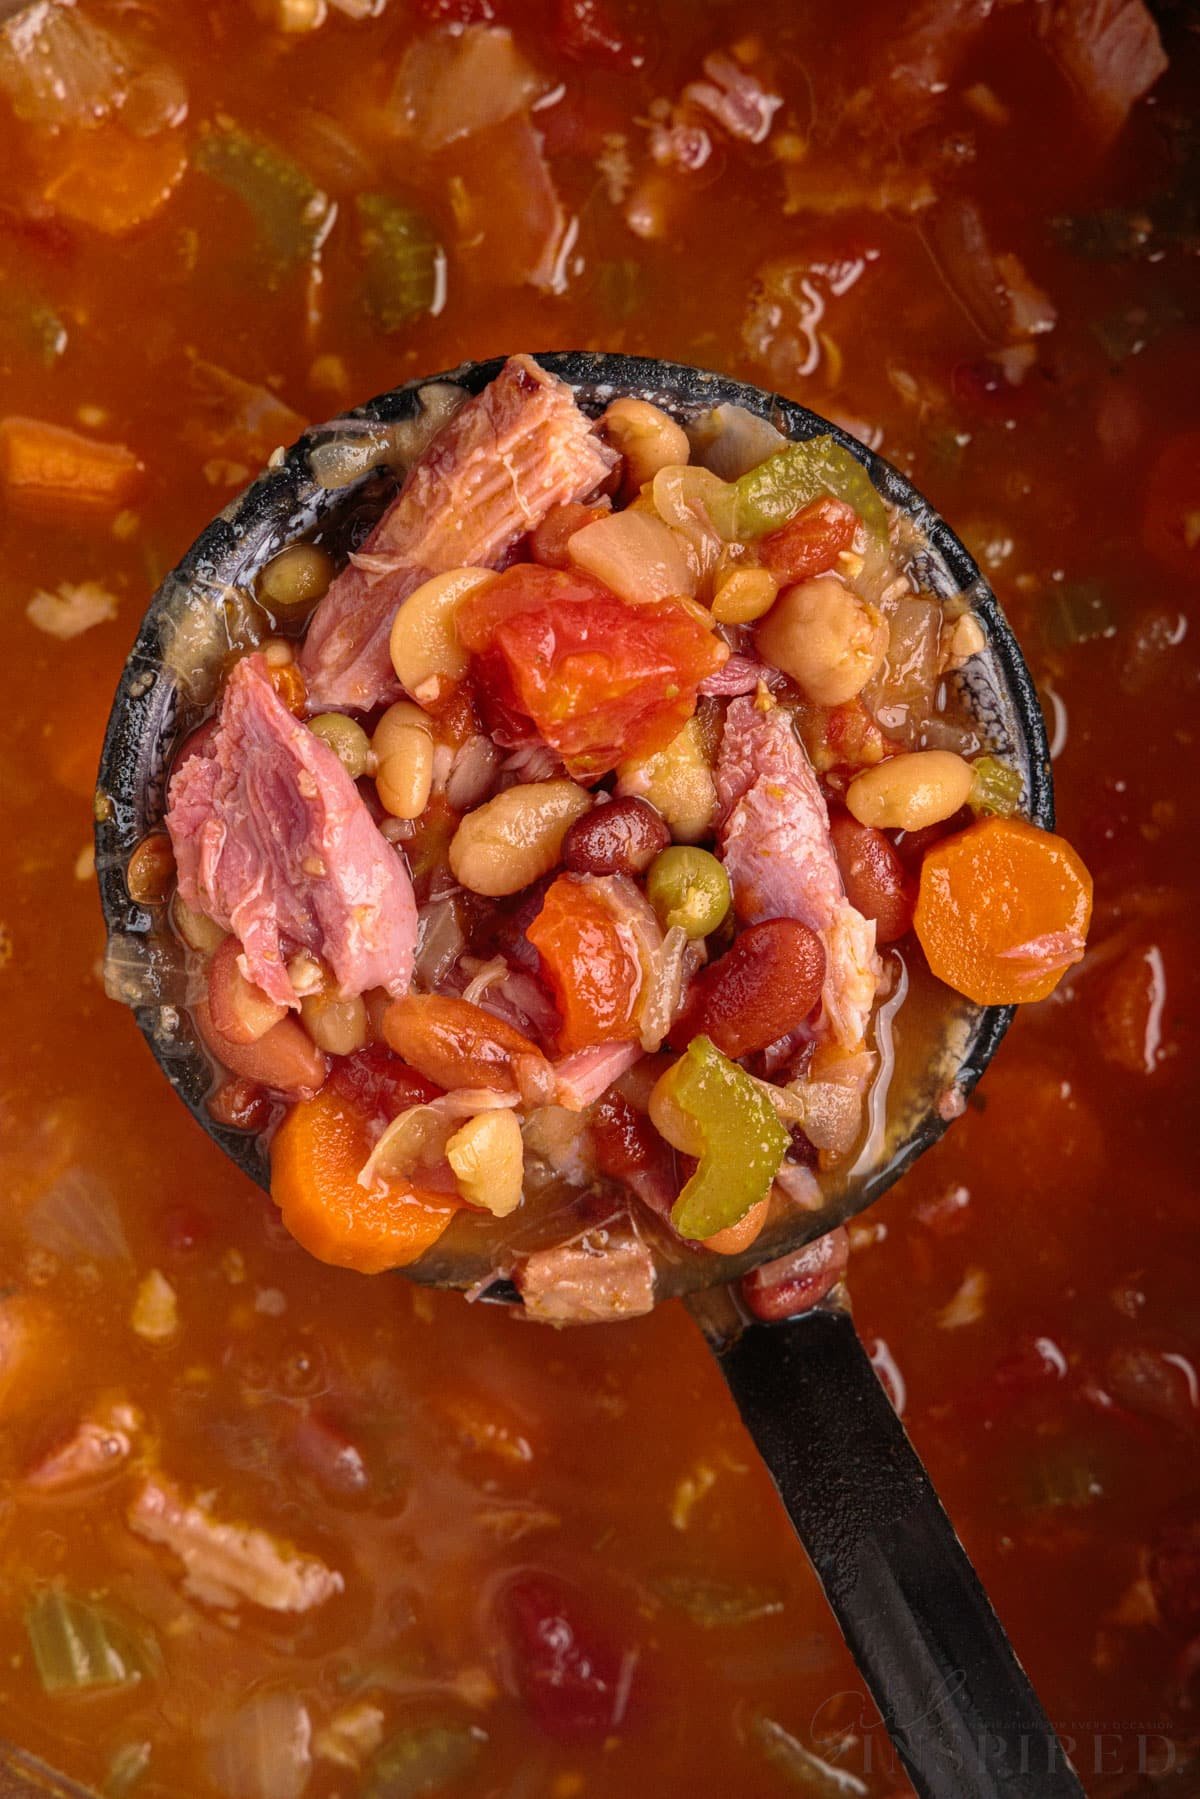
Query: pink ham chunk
490	475
775	844
273	841
602	1276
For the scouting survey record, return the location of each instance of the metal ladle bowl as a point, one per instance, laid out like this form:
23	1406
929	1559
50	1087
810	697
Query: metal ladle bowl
908	1601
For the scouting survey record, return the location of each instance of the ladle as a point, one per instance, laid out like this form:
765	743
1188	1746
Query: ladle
952	1694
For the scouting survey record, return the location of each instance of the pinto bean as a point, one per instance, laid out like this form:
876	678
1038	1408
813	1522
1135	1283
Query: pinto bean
760	990
874	877
285	1059
454	1043
240	1011
621	837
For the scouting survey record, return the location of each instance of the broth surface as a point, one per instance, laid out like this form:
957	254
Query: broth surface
1028	1291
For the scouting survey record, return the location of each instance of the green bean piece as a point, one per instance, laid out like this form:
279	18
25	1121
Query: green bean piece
293	215
405	264
348	741
688	887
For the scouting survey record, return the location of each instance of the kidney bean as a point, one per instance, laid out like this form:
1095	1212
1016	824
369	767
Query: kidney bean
286	1059
619	837
627	1148
240	1104
874	877
569	1677
797	1282
761	989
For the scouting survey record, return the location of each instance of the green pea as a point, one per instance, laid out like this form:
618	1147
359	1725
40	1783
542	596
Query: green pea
295	579
348	741
688	887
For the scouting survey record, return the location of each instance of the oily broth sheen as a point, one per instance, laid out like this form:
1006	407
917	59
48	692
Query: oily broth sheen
613	1457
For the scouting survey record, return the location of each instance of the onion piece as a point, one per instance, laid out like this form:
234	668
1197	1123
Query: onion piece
730	440
263	1750
451	85
441	940
636	555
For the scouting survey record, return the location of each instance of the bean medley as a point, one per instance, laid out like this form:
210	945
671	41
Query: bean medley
552	1565
592	832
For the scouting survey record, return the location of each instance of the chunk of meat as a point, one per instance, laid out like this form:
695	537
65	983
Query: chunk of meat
490	475
604	1275
1110	52
775	844
272	839
740	675
582	1078
227	1563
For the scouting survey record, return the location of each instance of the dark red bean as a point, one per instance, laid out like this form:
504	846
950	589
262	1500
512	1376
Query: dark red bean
797	1282
618	837
874	877
761	989
569	1676
240	1104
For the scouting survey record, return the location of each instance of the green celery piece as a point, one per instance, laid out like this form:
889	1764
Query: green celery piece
715	1603
405	264
995	787
423	1759
292	213
766	497
77	1646
744	1142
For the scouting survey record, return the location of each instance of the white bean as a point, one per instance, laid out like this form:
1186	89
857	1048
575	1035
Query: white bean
909	792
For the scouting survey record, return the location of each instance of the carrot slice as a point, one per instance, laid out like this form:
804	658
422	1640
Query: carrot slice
315	1158
111	181
49	471
1003	911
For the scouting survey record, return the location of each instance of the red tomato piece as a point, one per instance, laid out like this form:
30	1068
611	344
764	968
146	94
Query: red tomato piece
599	679
569	1677
594	976
809	543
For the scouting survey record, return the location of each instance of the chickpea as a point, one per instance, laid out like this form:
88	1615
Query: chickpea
828	639
517	837
295	579
908	792
744	595
647	437
338	1026
487	1155
678	782
423	646
346	738
197	929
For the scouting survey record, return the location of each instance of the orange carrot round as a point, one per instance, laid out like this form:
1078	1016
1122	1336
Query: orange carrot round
1003	911
315	1158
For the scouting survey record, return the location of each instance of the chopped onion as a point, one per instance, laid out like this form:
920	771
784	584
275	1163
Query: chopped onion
681	498
472	773
262	1751
58	67
441	940
636	555
663	988
450	86
729	440
416	1139
76	1219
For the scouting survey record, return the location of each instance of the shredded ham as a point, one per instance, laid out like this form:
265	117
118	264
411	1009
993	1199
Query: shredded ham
581	1079
737	100
604	1275
227	1563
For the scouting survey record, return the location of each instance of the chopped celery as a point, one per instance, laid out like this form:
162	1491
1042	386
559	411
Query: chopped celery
77	1646
423	1758
800	1767
995	787
714	1603
768	496
405	264
742	1142
292	213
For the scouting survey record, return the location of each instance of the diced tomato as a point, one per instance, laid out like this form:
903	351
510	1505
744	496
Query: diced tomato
592	973
599	679
380	1083
569	1677
810	542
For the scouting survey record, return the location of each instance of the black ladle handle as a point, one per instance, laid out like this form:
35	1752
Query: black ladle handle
953	1696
